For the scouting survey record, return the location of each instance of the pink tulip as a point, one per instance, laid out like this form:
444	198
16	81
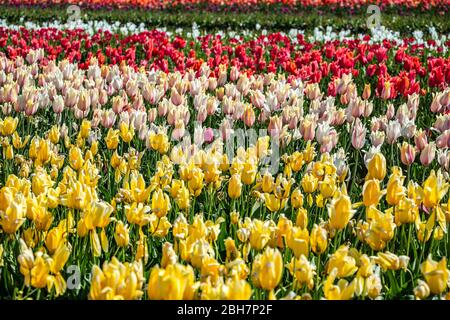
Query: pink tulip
308	127
390	112
443	158
202	114
407	153
152	114
176	98
249	116
58	104
208	135
386	92
428	153
358	134
108	118
366	92
443	141
420	139
275	125
178	131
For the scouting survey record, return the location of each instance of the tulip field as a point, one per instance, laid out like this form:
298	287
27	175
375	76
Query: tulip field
151	161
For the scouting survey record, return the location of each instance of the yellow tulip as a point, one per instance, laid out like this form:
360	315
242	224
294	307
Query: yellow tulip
387	260
381	228
95	242
159	142
302	218
434	189
121	234
273	203
436	274
169	255
248	173
60	258
159	228
235	186
395	190
195	184
340	210
85	128
327	187
117	281
296	161
296	198
298	241
343	262
406	212
371	192
271	268
260	234
14	216
41	181
303	271
318	239
237	289
160	203
175	282
373	286
377	167
8	152
54	134
17	141
309	183
342	291
126	132
8	126
40	272
54	239
76	158
112	139
183	198
98	214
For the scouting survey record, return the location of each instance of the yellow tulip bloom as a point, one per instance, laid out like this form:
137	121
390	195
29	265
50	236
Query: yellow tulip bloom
436	274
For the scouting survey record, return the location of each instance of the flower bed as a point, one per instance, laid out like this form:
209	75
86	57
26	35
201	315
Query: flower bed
199	164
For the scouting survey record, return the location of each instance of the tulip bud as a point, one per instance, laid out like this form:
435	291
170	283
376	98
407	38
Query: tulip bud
58	104
407	153
248	116
377	167
386	91
234	186
318	239
420	139
422	291
390	112
436	106
84	100
358	134
367	91
152	114
428	153
275	125
444	159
